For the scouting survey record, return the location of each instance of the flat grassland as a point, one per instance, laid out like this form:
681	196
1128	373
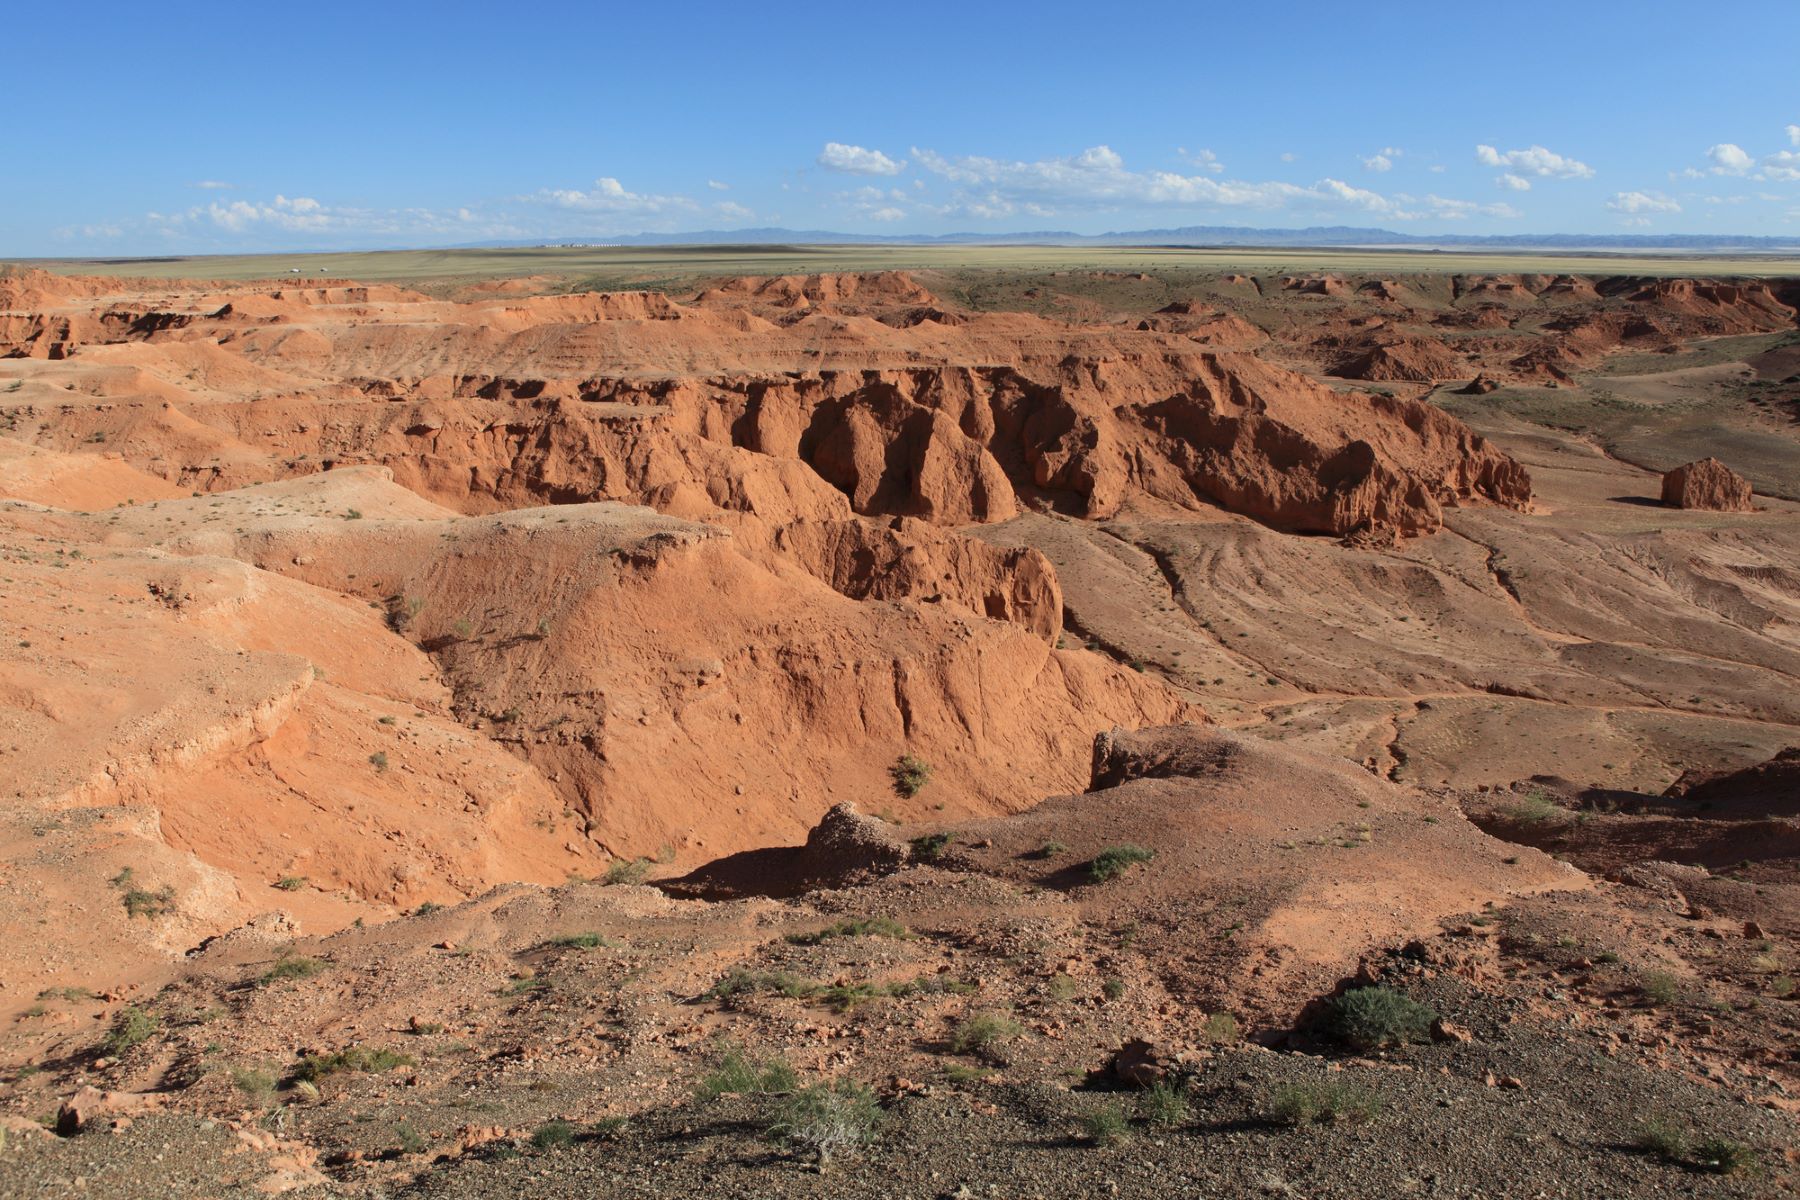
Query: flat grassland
614	266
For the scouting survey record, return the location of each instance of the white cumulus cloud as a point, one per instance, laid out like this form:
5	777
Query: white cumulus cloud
1783	165
299	213
1206	160
1098	178
856	160
1639	203
1729	159
610	196
1534	160
1517	183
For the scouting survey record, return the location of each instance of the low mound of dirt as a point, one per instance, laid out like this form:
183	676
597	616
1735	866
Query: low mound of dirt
1176	818
1409	360
1316	285
1207	325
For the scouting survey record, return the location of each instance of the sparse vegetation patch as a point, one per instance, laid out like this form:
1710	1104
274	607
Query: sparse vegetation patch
1369	1018
910	774
1116	860
370	1059
1322	1102
827	1120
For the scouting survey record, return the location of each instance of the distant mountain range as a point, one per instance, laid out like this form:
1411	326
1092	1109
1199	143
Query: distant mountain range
1198	235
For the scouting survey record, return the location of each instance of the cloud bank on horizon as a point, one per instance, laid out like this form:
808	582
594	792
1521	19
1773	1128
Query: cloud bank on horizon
928	135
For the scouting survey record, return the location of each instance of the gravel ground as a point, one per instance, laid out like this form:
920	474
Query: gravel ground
1441	1132
157	1158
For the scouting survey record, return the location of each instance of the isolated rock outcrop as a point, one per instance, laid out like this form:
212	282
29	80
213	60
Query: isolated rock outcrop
1707	483
1770	788
91	1108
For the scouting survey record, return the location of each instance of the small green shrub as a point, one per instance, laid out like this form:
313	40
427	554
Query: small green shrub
1163	1103
910	775
737	1075
291	883
1106	1126
408	1140
371	1060
70	994
379	760
290	966
846	996
827	1119
1662	1138
587	940
1222	1027
931	847
257	1085
1724	1156
1371	1017
984	1033
1112	988
133	1026
1061	989
1322	1102
140	903
1114	860
1535	808
553	1135
1658	987
1050	849
857	927
739	982
626	871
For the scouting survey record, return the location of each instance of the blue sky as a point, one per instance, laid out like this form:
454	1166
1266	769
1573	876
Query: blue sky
144	130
